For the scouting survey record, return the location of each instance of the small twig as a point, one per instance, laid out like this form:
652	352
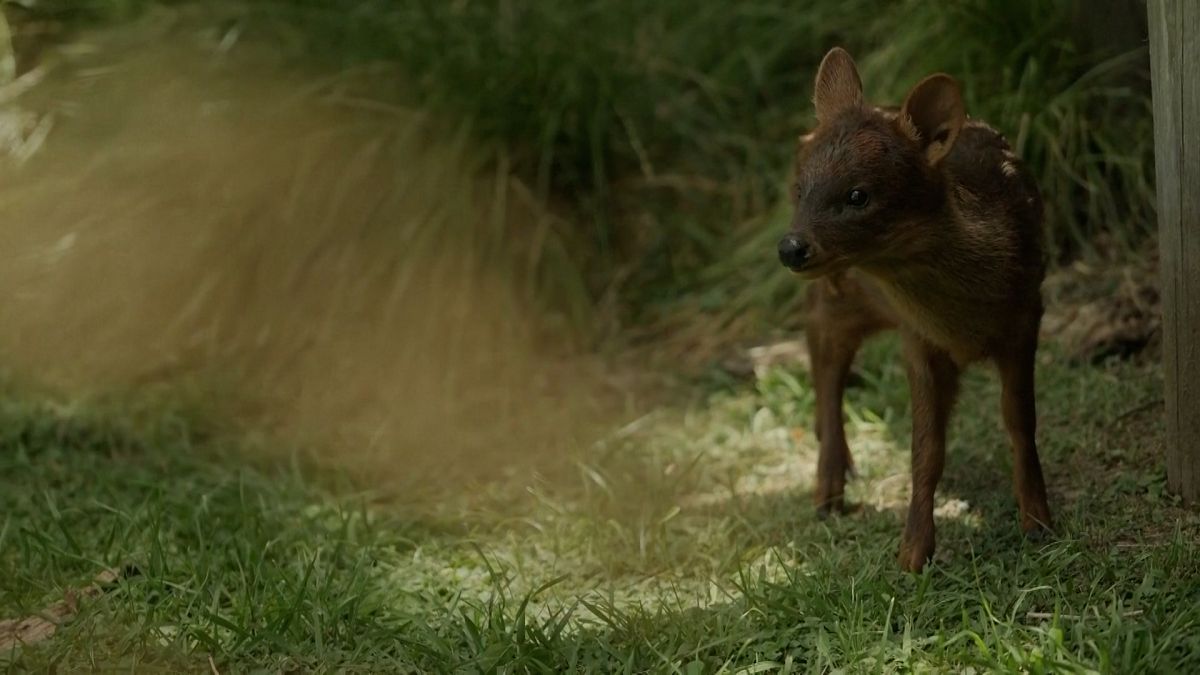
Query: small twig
1049	615
680	182
213	665
1075	617
13	89
1135	410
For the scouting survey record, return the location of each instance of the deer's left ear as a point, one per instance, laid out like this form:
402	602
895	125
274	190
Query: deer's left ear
838	86
933	114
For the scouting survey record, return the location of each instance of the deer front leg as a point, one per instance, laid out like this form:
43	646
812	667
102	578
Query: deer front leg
832	353
933	385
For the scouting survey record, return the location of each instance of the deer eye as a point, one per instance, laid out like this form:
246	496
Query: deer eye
857	198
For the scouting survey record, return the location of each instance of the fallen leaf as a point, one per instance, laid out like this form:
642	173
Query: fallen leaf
38	627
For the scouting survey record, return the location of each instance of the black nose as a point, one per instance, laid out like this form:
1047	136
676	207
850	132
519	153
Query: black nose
793	252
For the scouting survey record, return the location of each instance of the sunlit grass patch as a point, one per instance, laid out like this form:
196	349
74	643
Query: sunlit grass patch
688	537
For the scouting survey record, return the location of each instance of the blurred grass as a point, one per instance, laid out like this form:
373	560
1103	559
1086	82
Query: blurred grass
661	133
332	270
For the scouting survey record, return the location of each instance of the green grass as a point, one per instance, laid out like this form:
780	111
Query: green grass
686	543
663	134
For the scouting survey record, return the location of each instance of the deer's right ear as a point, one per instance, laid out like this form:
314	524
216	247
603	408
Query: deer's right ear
838	86
933	114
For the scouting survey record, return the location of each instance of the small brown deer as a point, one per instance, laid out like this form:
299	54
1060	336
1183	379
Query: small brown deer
919	219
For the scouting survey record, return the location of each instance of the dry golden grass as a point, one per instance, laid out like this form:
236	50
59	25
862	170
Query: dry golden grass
305	255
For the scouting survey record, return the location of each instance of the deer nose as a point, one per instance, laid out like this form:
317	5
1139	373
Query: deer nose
793	252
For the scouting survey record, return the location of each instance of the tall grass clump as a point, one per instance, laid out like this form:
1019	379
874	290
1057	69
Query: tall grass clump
661	134
654	125
664	131
1069	89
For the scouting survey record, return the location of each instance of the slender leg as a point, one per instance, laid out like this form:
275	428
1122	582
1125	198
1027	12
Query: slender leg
1020	419
933	385
832	354
840	317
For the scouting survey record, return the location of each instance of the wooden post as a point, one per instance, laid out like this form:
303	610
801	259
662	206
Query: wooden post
1175	64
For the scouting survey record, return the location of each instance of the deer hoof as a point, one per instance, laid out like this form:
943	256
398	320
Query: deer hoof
914	555
1038	534
839	508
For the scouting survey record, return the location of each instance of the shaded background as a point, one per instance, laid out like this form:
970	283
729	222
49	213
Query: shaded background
420	228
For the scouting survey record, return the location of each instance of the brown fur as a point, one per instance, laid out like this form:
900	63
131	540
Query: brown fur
948	251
